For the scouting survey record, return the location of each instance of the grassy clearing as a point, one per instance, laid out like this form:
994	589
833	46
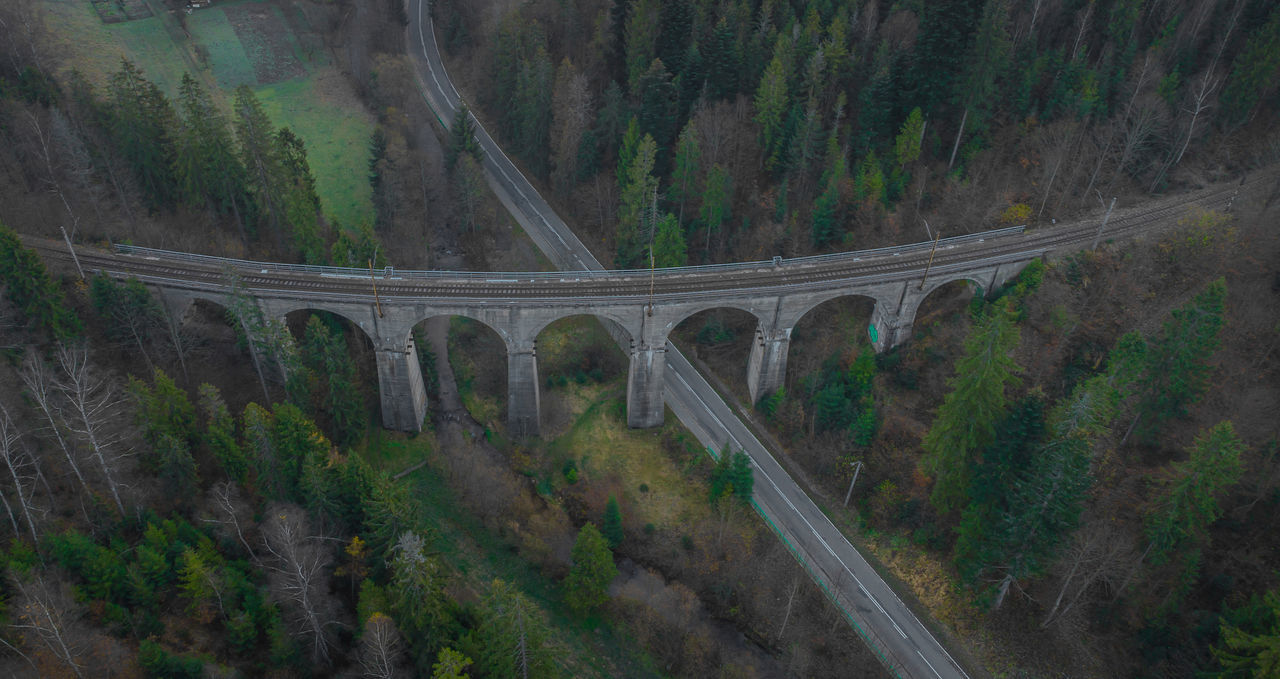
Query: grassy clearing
606	450
95	48
336	127
319	106
216	39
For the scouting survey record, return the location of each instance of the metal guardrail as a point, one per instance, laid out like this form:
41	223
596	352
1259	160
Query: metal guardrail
497	276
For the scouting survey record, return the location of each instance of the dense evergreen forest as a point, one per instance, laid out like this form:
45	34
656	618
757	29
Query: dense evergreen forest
786	127
1093	478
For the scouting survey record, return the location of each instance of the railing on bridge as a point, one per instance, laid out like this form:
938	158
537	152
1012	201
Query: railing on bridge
490	276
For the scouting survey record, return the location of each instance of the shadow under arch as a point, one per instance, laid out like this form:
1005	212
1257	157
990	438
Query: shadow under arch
575	354
721	338
942	299
315	332
464	361
832	327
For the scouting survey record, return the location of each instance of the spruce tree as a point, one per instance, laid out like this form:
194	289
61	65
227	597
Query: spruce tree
669	247
967	418
1188	503
30	289
684	176
515	638
587	585
771	103
1177	364
611	525
636	206
220	434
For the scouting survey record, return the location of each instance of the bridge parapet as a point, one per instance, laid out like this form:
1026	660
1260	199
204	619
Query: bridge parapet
640	308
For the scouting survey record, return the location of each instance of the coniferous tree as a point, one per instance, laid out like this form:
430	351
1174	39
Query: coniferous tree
207	169
643	25
967	418
1177	364
611	525
28	286
658	99
301	203
771	104
220	434
332	383
669	247
515	638
686	170
462	137
1188	503
259	155
131	311
417	597
142	125
1250	640
636	207
587	585
1255	70
163	409
531	110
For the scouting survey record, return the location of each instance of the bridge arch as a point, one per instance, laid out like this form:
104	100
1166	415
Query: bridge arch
464	347
573	353
938	296
682	313
321	392
720	337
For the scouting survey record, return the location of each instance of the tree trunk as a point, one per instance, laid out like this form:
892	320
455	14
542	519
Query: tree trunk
959	133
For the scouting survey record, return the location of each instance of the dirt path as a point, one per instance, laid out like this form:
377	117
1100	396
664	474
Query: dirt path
452	418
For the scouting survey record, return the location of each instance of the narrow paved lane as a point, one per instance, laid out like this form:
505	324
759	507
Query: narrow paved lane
906	646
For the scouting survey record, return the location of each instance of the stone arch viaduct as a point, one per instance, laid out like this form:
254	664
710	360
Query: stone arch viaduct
639	307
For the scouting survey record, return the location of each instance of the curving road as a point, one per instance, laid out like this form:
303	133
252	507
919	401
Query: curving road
905	645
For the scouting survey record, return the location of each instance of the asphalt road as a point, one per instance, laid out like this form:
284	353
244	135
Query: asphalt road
906	646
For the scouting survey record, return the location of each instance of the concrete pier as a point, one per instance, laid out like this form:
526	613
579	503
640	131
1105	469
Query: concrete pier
767	367
522	391
404	397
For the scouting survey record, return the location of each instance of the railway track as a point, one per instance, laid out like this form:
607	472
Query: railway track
880	265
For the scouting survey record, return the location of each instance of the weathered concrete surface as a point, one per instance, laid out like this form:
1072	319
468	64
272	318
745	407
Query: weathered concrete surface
519	306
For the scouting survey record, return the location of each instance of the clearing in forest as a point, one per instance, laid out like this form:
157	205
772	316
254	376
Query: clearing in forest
266	45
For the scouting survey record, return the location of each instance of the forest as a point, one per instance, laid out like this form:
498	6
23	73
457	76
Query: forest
1074	475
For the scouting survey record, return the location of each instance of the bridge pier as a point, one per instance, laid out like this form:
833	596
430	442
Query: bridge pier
892	324
645	381
522	390
404	397
767	367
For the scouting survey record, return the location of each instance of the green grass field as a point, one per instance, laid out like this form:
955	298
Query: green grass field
318	105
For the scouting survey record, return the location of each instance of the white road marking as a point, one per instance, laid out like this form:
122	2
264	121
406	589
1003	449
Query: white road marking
926	661
733	439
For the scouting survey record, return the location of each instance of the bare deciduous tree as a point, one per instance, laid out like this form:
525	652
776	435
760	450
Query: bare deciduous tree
570	116
44	612
230	510
22	470
92	410
1099	553
298	564
35	374
380	648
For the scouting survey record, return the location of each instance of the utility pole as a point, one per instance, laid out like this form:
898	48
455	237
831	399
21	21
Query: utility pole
1103	225
376	304
72	250
653	218
930	264
857	467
